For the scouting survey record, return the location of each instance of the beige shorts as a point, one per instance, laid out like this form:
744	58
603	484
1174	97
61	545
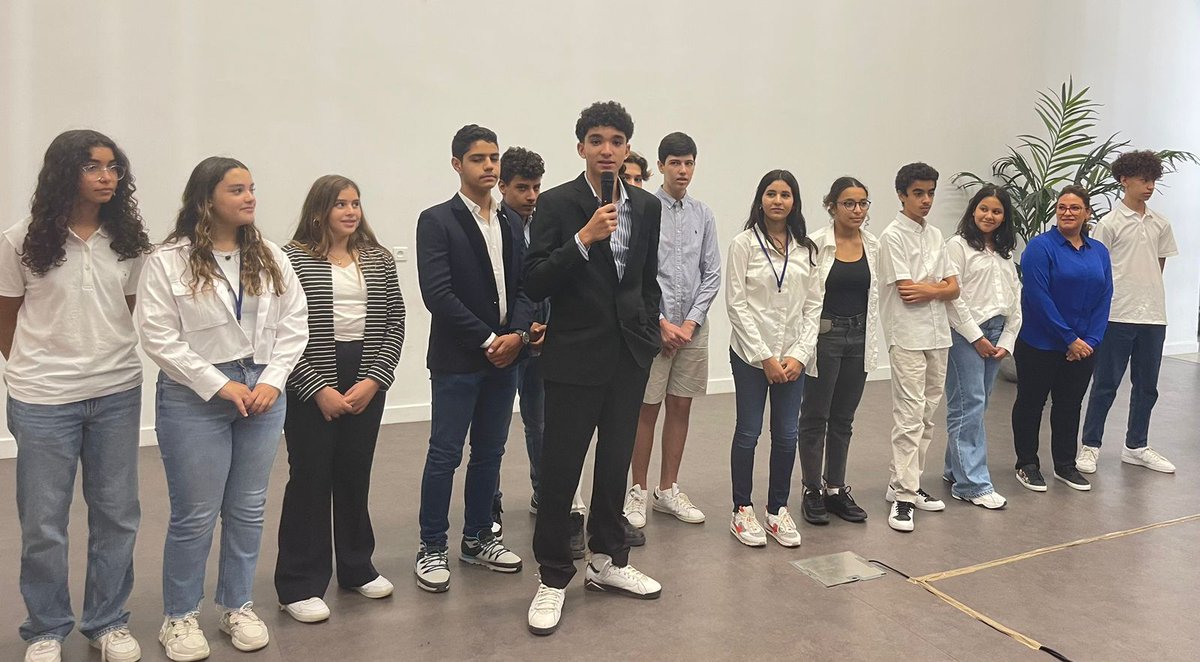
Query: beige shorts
685	374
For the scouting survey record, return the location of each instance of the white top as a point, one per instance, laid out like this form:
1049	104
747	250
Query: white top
1135	243
988	286
769	321
827	245
185	333
911	251
74	338
493	235
230	263
349	303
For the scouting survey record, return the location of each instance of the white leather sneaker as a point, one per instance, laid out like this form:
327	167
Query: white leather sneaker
603	576
674	502
546	609
635	507
44	650
1086	460
309	610
183	639
245	628
377	588
1147	457
925	500
117	646
991	500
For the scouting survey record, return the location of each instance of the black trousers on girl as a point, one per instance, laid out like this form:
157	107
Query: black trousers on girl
328	484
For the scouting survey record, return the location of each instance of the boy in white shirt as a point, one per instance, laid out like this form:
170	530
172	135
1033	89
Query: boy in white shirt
915	282
1139	241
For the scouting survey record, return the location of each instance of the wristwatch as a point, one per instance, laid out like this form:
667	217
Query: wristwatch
524	335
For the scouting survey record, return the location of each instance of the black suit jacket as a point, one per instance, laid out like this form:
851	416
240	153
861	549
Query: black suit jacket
594	312
541	308
457	285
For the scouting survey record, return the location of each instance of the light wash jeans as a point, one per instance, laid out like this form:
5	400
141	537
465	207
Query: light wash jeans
217	463
969	381
52	441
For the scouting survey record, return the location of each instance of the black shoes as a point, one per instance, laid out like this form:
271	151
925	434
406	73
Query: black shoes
840	503
813	507
577	539
634	536
1031	477
1073	479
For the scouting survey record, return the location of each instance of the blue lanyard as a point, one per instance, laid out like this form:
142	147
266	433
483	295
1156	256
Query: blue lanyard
238	299
780	275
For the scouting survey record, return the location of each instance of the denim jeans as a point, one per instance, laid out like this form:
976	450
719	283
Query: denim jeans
750	396
52	440
1138	346
969	381
830	400
217	463
480	402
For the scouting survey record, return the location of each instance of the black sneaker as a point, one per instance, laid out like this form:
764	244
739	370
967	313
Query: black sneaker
840	503
634	536
577	546
1031	477
487	551
813	507
1073	479
497	524
432	569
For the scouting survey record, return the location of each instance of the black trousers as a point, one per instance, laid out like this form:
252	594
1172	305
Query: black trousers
573	413
1042	373
330	465
830	401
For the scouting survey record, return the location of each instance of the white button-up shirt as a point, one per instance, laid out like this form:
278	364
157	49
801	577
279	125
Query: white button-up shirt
827	247
911	251
988	286
74	338
767	320
1135	244
493	236
185	333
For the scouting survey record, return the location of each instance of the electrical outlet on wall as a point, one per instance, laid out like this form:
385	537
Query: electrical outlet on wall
400	253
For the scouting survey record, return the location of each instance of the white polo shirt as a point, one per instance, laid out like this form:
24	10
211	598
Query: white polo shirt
911	251
1135	243
75	338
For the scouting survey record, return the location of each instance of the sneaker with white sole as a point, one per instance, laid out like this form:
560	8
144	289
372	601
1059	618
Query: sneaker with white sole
546	609
432	569
487	550
1031	477
1086	460
1073	479
1147	457
901	518
44	650
377	588
991	500
925	500
245	628
117	645
674	502
183	639
783	528
603	576
745	527
635	506
309	610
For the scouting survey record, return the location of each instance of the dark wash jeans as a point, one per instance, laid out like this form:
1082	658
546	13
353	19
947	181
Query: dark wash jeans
751	392
830	400
1138	346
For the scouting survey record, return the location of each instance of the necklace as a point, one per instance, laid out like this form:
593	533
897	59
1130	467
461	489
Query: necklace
340	261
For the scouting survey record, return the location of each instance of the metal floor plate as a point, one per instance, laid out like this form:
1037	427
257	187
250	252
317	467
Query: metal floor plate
836	569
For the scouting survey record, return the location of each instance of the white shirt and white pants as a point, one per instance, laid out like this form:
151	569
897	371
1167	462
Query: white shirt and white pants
918	336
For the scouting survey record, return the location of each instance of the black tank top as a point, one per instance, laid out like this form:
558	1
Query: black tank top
847	287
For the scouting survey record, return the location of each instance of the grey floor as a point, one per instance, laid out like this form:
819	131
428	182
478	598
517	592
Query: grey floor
1131	598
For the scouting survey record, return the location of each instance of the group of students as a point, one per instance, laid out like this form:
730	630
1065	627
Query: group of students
590	302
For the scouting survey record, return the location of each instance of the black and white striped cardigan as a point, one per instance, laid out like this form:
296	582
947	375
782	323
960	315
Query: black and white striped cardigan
384	333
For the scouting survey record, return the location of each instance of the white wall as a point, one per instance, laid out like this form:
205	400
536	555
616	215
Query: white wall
299	89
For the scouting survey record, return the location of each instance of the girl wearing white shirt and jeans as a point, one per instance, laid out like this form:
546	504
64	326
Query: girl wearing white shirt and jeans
224	317
773	294
985	320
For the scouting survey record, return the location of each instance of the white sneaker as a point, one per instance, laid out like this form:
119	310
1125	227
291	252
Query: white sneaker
674	502
745	527
377	588
546	609
183	639
44	650
603	576
991	500
432	569
245	628
635	507
1147	457
925	500
1086	460
783	528
117	646
490	553
902	516
310	610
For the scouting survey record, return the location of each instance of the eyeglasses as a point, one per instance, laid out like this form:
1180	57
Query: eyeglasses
849	205
1074	209
94	170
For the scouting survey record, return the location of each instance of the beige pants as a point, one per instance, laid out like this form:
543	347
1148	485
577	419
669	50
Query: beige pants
918	380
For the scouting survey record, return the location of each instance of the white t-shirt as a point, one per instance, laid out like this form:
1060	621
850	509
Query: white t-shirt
75	338
988	287
230	263
1135	243
349	303
911	251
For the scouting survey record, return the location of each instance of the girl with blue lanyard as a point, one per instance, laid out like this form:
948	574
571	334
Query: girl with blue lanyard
773	293
222	313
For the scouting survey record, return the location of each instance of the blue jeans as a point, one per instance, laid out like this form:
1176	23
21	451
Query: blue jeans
217	463
52	440
532	390
1138	346
969	381
482	403
750	395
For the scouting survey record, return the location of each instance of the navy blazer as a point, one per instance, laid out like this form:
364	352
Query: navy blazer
458	288
541	309
594	312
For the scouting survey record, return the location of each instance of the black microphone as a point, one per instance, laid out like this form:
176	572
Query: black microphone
607	181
